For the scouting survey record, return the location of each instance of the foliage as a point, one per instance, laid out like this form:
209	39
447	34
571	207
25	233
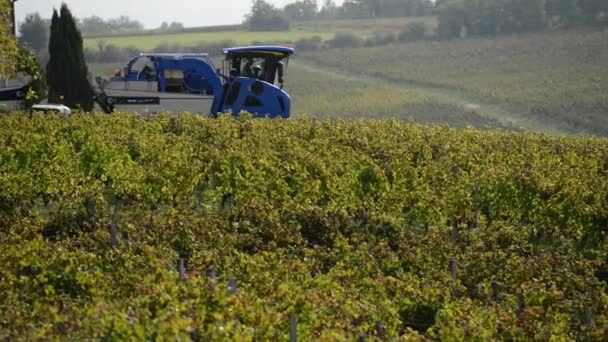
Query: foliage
265	17
96	25
493	17
106	53
301	10
364	26
8	44
306	10
452	19
309	44
357	9
381	38
27	64
413	32
34	32
345	40
67	70
174	26
344	223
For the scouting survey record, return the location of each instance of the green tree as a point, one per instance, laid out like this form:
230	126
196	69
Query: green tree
8	44
66	70
493	17
34	32
266	17
97	25
93	24
595	11
329	9
563	13
301	10
453	18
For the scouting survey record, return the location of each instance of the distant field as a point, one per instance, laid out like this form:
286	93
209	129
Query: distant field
321	95
558	77
149	42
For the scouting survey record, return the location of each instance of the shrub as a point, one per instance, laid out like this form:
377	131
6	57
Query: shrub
381	38
212	48
345	40
309	44
413	32
110	53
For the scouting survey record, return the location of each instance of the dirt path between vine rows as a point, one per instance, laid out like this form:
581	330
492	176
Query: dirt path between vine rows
508	115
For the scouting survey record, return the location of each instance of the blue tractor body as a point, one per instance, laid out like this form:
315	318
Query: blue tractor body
251	80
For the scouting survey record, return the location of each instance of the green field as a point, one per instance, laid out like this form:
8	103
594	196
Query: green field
147	43
178	227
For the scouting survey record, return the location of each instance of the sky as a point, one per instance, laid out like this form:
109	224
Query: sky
150	12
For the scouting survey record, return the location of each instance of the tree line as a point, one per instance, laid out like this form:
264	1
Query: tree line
361	9
494	17
265	16
456	17
35	30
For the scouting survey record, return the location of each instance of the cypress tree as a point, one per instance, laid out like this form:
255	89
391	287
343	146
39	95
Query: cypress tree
53	66
66	70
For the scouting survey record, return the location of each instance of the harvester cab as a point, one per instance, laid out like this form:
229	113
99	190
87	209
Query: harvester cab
255	82
251	81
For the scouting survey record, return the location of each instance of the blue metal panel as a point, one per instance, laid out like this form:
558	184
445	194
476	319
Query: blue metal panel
259	98
195	71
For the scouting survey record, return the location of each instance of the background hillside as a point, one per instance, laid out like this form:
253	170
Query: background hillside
548	81
535	65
